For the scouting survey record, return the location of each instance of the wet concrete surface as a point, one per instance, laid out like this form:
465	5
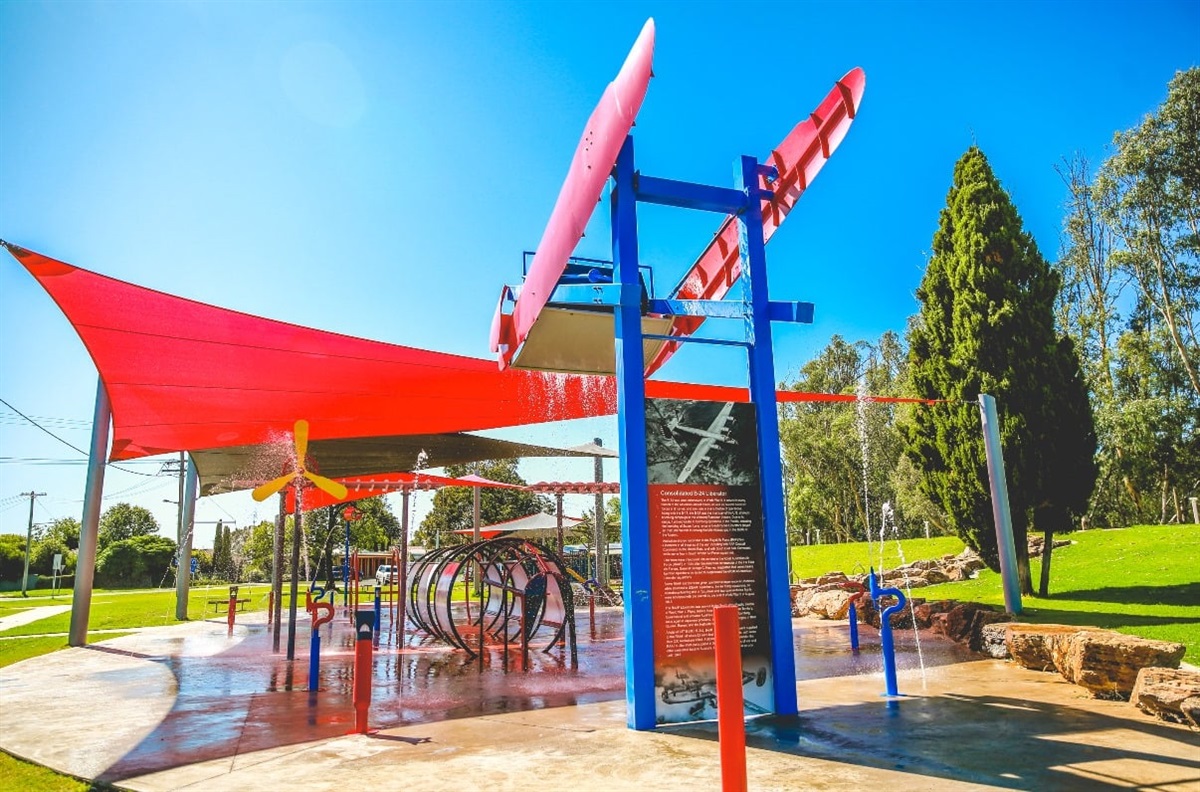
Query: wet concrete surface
188	705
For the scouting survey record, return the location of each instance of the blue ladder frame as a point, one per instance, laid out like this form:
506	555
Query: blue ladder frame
744	202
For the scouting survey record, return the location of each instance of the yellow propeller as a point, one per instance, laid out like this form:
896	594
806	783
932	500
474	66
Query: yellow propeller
300	438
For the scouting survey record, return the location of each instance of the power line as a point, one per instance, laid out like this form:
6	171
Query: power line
67	444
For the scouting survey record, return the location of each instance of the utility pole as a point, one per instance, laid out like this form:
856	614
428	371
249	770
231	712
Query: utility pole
29	537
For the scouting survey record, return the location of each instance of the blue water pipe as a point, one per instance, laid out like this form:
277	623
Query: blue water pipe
853	628
378	610
885	628
346	570
314	659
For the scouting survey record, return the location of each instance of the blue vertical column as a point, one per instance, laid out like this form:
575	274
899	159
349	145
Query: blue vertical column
766	415
631	412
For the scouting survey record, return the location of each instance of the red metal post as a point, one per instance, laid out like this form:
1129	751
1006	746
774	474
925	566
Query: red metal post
731	721
230	615
270	606
364	622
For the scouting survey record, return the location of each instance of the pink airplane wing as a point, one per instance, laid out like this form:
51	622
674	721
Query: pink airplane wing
594	159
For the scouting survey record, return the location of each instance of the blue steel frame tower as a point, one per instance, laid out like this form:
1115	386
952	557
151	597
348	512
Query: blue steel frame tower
744	201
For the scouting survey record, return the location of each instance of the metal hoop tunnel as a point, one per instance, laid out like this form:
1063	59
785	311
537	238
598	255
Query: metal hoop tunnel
523	595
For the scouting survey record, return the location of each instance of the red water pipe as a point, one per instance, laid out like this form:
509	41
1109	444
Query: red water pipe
364	635
230	615
731	721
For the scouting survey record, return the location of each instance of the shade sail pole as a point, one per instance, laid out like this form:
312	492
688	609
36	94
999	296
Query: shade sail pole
1001	514
277	572
85	563
297	537
187	512
600	535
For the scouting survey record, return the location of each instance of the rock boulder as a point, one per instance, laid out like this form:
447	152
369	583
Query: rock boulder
1104	662
1169	693
1107	663
1029	645
964	623
992	642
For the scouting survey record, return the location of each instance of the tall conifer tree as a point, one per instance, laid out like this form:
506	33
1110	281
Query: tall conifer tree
987	326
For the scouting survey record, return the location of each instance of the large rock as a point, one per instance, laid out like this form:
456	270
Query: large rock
831	577
1169	693
800	597
1029	645
956	572
901	619
935	575
1107	663
926	612
992	640
830	604
964	622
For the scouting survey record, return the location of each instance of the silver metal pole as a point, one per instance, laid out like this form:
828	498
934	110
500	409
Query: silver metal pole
558	510
297	539
187	521
277	572
476	567
85	562
403	571
1001	515
599	535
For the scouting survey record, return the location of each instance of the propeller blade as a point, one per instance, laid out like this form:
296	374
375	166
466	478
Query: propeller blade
264	491
301	438
334	488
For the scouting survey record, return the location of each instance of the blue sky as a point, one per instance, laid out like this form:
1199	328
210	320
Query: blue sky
377	168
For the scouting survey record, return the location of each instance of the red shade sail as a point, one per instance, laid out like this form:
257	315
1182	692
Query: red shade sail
183	375
186	376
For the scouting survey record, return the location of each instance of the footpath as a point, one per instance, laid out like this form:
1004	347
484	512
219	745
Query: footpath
191	707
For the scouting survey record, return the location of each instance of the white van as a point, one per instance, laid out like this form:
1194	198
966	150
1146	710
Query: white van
385	574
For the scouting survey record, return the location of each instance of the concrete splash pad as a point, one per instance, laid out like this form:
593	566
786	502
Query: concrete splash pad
189	707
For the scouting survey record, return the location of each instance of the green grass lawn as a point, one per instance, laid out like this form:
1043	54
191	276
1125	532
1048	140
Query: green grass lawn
119	609
857	558
1141	580
19	776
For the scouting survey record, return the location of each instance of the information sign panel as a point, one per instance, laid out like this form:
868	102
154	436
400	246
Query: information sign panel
706	549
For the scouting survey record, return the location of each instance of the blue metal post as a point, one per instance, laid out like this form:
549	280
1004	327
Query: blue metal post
378	610
631	411
885	629
853	628
314	659
766	415
346	569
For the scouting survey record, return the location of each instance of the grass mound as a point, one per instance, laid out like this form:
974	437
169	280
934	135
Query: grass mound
1140	580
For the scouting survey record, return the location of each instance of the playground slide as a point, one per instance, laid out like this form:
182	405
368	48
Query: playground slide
594	159
799	158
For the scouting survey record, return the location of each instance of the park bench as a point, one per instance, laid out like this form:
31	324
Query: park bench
217	603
